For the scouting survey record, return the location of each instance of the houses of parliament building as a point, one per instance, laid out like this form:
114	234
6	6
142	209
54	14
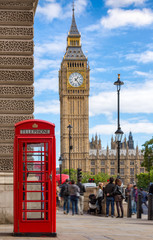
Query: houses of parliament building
74	86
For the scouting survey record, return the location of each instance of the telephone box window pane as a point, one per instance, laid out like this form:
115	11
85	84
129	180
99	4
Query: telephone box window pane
35	216
35	177
34	187
23	146
34	196
35	205
35	167
35	147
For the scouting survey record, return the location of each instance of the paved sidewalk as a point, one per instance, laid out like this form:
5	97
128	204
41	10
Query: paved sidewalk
90	227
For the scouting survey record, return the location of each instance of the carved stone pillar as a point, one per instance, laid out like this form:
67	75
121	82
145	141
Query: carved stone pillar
16	87
16	72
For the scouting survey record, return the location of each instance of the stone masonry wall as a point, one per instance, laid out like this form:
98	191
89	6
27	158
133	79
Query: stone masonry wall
16	72
16	87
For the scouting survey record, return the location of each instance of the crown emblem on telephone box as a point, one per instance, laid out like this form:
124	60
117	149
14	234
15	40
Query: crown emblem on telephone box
35	125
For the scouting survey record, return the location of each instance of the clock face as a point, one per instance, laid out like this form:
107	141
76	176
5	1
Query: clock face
75	79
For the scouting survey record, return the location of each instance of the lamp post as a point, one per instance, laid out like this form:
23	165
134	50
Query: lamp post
70	148
60	168
119	133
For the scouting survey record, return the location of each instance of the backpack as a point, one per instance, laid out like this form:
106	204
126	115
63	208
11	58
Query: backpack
65	191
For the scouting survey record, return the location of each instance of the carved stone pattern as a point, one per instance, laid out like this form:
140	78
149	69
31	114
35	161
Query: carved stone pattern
16	76
7	134
6	164
16	31
18	90
16	16
16	105
6	149
14	5
16	61
11	120
16	46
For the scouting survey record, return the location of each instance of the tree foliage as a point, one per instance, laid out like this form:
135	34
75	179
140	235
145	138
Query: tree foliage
100	177
144	179
148	155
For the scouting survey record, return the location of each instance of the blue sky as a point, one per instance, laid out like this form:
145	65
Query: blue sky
117	37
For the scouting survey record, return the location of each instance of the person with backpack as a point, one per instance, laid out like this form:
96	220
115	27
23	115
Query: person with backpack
144	198
109	190
100	197
119	196
81	197
65	194
74	196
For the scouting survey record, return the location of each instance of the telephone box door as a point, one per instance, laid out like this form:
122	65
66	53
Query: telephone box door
35	185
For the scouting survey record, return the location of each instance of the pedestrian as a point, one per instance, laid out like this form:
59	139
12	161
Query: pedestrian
119	196
109	190
65	195
100	197
57	196
81	197
144	198
74	196
128	192
151	189
134	199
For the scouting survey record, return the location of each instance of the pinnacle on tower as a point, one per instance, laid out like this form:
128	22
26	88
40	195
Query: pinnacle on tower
73	29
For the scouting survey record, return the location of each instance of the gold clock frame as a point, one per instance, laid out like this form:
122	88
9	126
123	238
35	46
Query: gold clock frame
83	85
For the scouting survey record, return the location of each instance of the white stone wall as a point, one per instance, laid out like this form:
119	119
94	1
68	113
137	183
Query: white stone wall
6	198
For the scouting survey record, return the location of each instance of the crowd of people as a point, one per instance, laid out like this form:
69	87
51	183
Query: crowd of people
74	193
113	192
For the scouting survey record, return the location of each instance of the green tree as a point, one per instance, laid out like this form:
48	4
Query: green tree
73	173
148	155
144	179
100	177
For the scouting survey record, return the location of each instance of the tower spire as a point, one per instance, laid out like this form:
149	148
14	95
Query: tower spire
73	29
73	9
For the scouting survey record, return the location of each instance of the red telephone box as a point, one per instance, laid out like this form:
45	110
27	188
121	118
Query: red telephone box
34	178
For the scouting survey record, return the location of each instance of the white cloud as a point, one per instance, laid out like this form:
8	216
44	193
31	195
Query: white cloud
44	84
48	107
134	99
50	11
43	64
108	129
121	18
51	47
123	3
53	10
147	75
92	28
144	57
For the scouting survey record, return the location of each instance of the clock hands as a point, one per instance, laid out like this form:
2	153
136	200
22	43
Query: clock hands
76	79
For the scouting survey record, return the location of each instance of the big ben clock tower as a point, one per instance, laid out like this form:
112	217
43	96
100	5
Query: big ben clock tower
74	101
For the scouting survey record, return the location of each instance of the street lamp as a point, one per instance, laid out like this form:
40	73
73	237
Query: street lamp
60	168
119	133
70	147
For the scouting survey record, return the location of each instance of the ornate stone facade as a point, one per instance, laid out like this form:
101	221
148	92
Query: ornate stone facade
16	18
13	77
106	161
18	47
16	62
16	32
17	91
16	71
10	120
